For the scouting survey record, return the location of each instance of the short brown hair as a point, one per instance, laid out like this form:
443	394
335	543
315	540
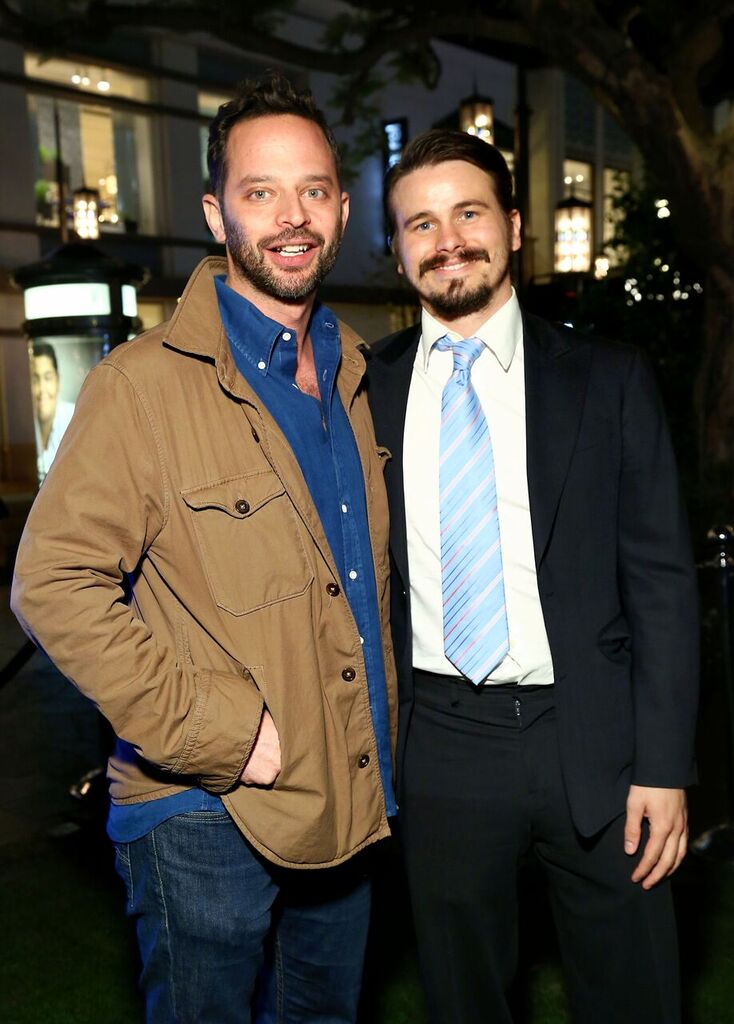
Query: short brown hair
440	145
271	95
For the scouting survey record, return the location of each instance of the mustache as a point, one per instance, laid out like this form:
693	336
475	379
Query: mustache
440	260
302	234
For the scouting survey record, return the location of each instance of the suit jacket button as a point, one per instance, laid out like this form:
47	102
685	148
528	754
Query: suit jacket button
242	506
364	760
349	675
332	589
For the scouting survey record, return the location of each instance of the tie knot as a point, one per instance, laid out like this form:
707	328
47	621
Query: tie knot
464	351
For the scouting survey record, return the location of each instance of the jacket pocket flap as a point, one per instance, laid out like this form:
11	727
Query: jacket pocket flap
238	496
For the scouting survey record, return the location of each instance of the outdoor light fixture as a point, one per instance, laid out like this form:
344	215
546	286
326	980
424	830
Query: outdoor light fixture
85	206
573	235
476	116
79	304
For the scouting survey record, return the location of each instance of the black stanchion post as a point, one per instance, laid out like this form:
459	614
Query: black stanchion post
718	842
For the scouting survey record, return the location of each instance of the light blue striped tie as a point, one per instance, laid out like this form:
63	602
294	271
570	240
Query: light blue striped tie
475	633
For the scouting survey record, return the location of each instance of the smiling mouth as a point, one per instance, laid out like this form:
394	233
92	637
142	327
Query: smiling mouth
450	267
454	264
292	250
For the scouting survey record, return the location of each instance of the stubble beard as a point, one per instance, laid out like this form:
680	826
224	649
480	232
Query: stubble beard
285	285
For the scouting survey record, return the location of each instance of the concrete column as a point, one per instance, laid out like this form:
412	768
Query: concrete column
547	148
17	201
178	154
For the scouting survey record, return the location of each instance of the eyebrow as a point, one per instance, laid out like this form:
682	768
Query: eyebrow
456	208
265	179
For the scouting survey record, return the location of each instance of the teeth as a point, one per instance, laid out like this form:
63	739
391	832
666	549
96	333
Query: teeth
293	250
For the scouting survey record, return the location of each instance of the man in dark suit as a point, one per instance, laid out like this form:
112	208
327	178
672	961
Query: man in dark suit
545	616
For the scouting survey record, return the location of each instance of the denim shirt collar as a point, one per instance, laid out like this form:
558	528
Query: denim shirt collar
255	335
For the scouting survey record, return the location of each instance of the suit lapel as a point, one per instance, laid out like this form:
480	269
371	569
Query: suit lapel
389	398
556	376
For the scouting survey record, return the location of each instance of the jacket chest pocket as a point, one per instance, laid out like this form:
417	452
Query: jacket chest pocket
250	541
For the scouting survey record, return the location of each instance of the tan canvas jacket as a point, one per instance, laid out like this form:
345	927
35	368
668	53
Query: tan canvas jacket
175	569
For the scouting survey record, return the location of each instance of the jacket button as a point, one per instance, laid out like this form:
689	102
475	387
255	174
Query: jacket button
242	506
332	589
256	436
349	675
364	760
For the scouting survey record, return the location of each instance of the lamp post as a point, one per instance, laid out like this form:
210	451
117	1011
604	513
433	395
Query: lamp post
573	236
476	116
79	304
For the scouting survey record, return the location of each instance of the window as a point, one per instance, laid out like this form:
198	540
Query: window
92	79
105	147
578	181
209	104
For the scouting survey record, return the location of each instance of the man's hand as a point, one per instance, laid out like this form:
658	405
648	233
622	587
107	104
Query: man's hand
667	813
263	764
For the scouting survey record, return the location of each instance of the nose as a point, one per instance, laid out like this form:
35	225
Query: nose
449	237
292	212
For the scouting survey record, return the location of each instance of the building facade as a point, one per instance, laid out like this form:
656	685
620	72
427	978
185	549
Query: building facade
129	119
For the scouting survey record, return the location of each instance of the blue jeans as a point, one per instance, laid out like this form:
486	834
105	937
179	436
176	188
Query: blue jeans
227	938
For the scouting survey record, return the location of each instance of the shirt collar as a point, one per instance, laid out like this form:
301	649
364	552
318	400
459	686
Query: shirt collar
501	333
254	334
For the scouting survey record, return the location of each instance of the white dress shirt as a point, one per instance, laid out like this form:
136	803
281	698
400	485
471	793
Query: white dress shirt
45	456
498	376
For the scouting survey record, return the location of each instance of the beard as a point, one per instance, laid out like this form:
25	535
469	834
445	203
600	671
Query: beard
286	285
459	299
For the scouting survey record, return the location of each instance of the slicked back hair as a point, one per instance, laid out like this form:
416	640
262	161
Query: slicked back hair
270	95
437	147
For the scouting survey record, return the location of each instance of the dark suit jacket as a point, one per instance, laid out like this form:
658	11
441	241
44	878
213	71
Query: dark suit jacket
615	573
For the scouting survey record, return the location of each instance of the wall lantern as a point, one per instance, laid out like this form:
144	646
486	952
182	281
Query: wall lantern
85	207
573	235
476	116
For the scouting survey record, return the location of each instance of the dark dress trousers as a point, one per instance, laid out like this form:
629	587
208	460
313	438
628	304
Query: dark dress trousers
618	592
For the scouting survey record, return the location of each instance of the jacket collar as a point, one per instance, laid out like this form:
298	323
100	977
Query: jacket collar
196	329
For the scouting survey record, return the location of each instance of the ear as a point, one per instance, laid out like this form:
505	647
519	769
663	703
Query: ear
213	215
516	226
345	208
394	250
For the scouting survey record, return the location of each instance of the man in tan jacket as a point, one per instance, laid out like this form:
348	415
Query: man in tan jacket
207	561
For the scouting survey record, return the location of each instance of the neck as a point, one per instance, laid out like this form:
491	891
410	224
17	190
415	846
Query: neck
293	315
467	326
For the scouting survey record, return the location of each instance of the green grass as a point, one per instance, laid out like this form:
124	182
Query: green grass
69	953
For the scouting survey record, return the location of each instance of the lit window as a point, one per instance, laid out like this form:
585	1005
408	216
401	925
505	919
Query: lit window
101	148
578	180
89	78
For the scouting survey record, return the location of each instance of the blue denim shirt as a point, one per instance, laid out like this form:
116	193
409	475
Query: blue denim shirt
322	440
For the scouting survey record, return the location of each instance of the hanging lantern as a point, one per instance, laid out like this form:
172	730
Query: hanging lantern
85	205
573	236
476	116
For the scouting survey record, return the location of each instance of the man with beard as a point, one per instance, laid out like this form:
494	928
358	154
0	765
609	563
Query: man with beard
544	616
207	560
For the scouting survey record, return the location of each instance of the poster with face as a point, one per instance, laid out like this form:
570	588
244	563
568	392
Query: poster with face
58	366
